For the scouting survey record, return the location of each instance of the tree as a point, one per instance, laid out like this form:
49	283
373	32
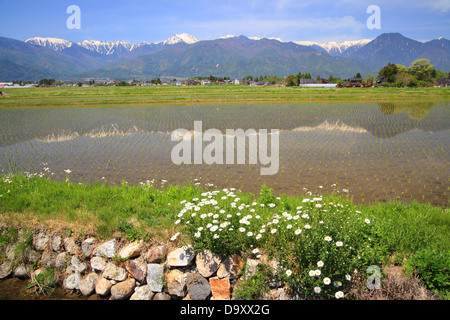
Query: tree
358	75
291	80
46	82
389	71
422	69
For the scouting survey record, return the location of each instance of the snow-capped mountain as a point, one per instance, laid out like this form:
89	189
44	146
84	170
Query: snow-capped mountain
185	56
342	48
228	36
334	48
107	48
181	38
337	48
53	43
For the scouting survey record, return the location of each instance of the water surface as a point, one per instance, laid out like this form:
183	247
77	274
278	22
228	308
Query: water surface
376	151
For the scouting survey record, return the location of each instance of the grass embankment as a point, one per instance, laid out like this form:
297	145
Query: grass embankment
317	241
148	95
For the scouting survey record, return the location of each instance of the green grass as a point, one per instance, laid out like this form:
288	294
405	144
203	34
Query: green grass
360	235
75	96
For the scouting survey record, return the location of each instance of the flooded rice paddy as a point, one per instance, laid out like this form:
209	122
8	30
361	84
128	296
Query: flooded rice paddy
372	151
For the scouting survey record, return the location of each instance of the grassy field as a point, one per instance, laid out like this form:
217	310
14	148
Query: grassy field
91	96
300	232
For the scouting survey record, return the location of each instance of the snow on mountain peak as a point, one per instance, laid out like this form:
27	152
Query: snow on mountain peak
227	36
341	46
180	38
120	47
106	47
54	43
335	46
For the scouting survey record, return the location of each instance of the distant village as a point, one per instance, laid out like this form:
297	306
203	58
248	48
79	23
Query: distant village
420	74
198	81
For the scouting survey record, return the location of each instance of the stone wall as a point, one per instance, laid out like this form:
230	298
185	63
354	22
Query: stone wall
120	270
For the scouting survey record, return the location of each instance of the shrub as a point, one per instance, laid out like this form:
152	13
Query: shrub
320	246
317	246
433	267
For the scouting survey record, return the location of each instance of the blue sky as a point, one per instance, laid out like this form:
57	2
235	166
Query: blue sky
152	21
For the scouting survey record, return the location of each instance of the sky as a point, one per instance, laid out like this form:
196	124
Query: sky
291	20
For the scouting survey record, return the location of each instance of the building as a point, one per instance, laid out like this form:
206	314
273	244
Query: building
305	82
443	82
353	82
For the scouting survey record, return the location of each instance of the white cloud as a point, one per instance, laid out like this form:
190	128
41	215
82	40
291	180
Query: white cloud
441	5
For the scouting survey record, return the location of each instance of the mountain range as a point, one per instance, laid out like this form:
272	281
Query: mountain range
183	56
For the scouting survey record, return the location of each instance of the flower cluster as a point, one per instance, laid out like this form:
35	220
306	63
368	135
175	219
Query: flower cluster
316	243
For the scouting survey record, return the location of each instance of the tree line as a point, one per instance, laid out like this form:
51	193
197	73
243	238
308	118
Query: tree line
420	73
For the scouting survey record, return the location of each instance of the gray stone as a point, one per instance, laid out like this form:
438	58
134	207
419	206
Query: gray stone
207	263
250	267
230	267
132	250
32	255
176	283
78	264
6	268
123	289
142	293
98	263
72	281
181	257
40	240
107	249
48	259
61	260
88	246
113	272
56	243
155	276
71	246
22	271
103	287
11	252
197	286
87	285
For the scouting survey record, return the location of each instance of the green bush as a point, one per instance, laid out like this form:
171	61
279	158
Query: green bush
433	267
320	245
328	238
